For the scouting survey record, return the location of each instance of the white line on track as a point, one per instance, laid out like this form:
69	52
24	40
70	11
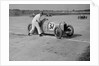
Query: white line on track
78	40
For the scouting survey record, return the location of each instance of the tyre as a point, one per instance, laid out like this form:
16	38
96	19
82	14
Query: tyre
30	27
70	31
58	33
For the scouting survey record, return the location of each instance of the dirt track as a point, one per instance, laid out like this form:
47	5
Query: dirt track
47	48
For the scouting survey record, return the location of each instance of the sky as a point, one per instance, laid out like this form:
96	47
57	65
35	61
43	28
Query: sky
49	6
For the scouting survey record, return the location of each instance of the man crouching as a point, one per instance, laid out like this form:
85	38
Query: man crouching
35	23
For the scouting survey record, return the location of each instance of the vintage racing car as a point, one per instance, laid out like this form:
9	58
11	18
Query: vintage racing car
59	30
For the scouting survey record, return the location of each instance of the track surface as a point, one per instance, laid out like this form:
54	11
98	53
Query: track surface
47	48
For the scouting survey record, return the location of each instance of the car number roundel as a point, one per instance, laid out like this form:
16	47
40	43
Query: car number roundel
51	26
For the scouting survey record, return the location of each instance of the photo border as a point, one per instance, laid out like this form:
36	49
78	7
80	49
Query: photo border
94	59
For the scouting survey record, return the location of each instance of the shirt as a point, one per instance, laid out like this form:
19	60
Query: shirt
36	18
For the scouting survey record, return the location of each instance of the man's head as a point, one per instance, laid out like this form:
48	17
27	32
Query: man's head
41	13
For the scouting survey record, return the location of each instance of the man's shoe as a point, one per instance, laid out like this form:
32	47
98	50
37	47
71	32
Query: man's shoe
40	35
29	34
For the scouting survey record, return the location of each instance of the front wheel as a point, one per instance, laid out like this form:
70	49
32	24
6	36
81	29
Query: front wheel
58	32
70	30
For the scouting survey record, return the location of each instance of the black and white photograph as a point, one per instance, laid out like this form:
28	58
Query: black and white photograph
49	32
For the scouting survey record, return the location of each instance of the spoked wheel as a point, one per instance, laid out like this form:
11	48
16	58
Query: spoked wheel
69	31
58	32
30	27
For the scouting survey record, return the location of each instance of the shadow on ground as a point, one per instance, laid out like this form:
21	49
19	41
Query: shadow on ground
46	34
74	36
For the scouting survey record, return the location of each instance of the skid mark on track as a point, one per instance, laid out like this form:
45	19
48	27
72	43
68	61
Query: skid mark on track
18	34
23	35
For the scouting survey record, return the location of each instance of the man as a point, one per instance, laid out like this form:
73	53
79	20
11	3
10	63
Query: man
35	23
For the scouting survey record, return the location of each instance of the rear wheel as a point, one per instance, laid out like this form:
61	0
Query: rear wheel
70	30
30	27
58	32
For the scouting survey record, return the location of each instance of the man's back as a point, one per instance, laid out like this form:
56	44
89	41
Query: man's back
36	18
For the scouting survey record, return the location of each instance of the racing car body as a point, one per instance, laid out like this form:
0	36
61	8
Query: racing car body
59	29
